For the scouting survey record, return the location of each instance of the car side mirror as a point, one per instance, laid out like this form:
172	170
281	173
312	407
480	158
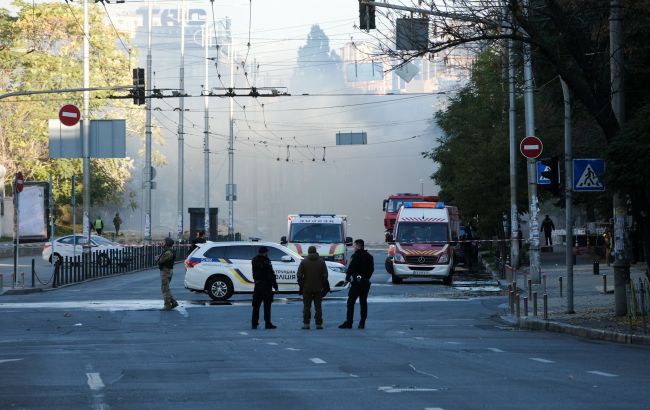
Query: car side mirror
286	258
348	241
283	240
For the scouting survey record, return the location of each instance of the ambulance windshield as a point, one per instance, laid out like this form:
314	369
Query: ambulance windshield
316	233
420	232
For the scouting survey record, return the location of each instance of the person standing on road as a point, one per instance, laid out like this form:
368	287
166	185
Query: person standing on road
165	263
548	227
117	222
99	225
265	282
312	274
360	269
199	238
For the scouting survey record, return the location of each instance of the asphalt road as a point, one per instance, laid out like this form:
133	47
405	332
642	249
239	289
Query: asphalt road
106	344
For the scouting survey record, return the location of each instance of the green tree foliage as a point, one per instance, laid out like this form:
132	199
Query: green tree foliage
41	49
473	154
319	68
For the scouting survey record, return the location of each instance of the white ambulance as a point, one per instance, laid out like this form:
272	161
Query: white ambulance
425	234
324	231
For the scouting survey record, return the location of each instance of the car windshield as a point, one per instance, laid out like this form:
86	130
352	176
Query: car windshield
394	204
316	233
101	241
422	232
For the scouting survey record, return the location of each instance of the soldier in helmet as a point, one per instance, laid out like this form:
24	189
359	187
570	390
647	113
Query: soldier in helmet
165	263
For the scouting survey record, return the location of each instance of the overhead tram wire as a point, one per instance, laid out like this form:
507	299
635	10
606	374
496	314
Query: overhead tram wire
128	50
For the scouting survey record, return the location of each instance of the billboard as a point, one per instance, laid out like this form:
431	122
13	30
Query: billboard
34	211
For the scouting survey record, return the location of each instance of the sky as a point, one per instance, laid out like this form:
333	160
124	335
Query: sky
273	180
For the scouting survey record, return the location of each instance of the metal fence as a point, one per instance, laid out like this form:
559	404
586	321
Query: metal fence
111	262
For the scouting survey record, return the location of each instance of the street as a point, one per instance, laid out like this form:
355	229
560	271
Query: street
106	344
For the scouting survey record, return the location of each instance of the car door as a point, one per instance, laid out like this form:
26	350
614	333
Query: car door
240	256
285	270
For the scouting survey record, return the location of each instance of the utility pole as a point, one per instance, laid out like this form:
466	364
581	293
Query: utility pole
231	150
621	262
147	134
206	138
85	129
568	194
512	134
181	136
529	105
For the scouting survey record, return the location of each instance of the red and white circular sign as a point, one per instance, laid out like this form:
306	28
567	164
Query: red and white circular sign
69	115
531	147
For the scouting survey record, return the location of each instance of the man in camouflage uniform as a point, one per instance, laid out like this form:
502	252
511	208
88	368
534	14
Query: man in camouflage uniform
165	263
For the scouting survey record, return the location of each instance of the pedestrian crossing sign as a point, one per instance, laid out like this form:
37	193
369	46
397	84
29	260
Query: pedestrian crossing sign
588	175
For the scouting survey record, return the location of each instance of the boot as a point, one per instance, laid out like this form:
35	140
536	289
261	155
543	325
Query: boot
345	325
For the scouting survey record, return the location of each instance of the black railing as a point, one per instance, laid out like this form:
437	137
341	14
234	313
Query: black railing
102	263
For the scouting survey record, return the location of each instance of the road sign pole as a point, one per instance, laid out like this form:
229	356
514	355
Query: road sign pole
568	194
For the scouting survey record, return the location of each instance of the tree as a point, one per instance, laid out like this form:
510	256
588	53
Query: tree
40	50
319	68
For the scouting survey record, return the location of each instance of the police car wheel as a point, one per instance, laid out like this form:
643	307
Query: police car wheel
103	259
219	288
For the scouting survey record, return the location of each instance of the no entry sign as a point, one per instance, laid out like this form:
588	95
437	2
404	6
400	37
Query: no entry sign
531	147
69	115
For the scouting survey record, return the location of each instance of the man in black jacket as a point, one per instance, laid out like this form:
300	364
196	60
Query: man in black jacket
360	269
264	277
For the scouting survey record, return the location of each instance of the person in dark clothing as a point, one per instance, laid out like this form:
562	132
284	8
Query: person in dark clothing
312	275
265	281
165	263
360	269
200	238
548	227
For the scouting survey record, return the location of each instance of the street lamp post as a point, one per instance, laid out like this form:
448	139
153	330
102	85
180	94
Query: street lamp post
421	186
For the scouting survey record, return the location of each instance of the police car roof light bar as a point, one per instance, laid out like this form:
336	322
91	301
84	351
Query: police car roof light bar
436	205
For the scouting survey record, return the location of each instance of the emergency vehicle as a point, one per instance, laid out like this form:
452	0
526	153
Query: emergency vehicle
425	234
392	204
222	269
324	231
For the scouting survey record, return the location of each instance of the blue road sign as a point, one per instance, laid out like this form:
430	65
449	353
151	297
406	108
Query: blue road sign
588	175
540	179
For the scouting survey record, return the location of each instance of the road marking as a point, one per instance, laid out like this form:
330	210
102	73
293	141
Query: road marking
599	373
421	372
353	375
243	333
9	360
539	359
392	389
453	343
293	349
94	381
433	408
495	350
419	338
271	343
316	360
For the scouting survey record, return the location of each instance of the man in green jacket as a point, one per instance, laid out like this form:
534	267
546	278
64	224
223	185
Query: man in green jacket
312	275
165	263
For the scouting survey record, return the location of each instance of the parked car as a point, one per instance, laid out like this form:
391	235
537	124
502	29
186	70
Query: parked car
72	245
221	269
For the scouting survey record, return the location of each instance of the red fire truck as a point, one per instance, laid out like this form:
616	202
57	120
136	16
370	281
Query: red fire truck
392	204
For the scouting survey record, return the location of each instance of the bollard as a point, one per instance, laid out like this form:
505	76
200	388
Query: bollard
596	267
544	283
13	280
22	280
512	302
518	306
560	286
535	304
525	306
1	281
33	271
510	294
545	306
605	284
530	289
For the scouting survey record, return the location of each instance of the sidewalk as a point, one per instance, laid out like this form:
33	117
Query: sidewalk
593	305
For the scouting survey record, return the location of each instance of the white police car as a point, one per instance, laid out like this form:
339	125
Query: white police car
221	269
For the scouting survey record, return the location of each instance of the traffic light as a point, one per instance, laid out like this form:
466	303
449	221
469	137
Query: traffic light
366	16
138	86
552	173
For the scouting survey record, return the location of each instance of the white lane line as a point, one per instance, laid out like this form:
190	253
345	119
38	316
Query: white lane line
293	349
9	360
271	343
495	350
421	372
243	333
419	338
353	375
539	359
433	408
453	343
392	389
94	381
599	373
316	360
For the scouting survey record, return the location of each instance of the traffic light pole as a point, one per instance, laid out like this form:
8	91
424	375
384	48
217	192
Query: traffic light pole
147	137
85	130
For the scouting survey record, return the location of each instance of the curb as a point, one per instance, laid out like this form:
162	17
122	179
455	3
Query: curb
25	291
585	332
